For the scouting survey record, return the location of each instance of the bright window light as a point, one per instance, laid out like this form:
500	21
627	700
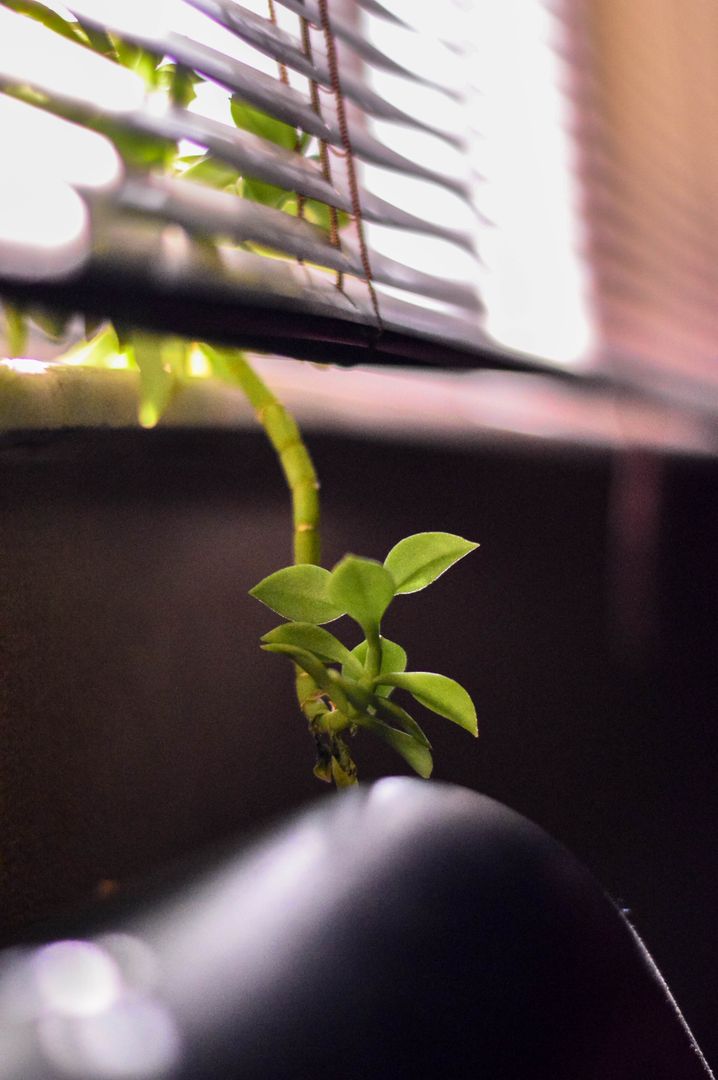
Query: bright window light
535	286
64	69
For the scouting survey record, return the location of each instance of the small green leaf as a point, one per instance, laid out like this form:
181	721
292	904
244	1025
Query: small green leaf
98	40
316	640
157	381
414	752
261	123
16	329
418	560
394	714
44	15
137	149
362	588
340	777
438	693
260	191
318	213
306	661
393	658
179	82
211	171
103	350
325	678
137	59
299	593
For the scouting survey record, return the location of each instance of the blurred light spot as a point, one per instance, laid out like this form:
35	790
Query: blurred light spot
135	960
24	366
148	414
76	978
18	993
44	226
49	143
132	17
38	57
136	1038
198	366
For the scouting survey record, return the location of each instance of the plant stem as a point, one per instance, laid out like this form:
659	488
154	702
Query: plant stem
296	463
373	653
334	761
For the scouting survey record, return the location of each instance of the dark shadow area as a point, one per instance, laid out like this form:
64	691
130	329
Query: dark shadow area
140	722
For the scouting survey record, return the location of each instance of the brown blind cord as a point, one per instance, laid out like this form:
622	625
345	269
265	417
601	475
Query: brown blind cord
284	78
283	74
347	147
323	148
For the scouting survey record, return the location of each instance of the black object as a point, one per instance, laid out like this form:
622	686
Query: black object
401	930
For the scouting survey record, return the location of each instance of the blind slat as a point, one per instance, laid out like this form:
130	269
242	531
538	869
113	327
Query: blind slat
282	47
205	211
139	248
363	48
266	93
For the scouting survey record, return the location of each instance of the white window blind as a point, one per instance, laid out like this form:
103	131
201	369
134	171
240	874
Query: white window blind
530	185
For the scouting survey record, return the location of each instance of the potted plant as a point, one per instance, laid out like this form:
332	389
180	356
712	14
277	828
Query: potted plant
385	913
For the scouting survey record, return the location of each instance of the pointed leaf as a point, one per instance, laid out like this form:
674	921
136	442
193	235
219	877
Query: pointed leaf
394	714
44	15
414	752
306	660
211	171
298	593
362	588
340	777
393	658
438	693
16	329
418	560
316	640
156	381
261	123
261	192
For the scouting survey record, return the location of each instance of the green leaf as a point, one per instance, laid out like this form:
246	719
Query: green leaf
209	170
414	752
341	778
394	714
261	123
418	560
261	192
316	640
438	693
16	329
157	381
101	351
98	40
362	588
318	213
179	82
325	678
138	59
137	149
306	661
224	363
393	658
299	593
46	16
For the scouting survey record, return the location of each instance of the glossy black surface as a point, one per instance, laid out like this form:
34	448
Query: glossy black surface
401	930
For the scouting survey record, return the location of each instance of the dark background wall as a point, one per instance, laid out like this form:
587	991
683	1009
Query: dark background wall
140	722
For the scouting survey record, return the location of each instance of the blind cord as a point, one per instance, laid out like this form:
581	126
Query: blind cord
348	151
